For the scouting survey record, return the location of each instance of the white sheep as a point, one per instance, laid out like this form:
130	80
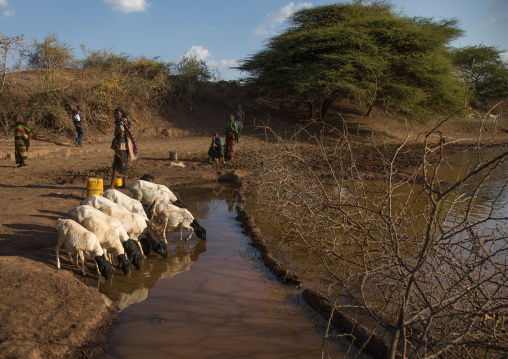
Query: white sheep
83	211
134	223
78	240
173	218
108	239
132	247
97	201
147	192
123	200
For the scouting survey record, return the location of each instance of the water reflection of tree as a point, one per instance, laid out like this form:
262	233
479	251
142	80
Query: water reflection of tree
427	270
134	288
203	204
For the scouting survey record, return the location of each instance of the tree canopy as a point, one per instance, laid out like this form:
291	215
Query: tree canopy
483	69
50	54
364	52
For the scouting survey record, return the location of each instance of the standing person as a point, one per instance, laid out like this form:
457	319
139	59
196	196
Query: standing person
78	118
239	118
232	137
124	145
22	137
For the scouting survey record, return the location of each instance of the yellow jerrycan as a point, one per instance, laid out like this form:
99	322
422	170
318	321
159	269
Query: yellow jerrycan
94	186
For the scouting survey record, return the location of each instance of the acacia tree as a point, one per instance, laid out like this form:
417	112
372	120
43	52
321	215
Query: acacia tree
483	69
190	73
49	54
365	52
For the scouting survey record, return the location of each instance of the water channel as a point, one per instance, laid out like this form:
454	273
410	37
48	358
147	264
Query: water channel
213	298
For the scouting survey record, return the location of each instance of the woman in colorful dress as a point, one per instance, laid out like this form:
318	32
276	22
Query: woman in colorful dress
232	137
124	146
22	137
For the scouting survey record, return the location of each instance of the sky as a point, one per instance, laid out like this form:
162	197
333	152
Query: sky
219	32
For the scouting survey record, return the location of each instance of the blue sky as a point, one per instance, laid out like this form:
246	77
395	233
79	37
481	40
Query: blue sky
220	32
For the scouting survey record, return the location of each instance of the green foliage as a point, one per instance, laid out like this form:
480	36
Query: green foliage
103	60
49	54
146	79
190	73
108	61
364	52
482	68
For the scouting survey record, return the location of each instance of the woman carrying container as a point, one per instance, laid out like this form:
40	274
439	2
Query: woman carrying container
124	145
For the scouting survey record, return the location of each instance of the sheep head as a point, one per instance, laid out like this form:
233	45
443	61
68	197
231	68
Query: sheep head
105	268
133	253
124	263
200	231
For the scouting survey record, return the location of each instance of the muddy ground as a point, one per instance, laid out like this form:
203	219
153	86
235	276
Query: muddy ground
50	313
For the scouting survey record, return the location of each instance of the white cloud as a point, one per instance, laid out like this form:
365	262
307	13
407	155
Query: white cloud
498	21
127	5
4	3
199	52
8	13
222	66
272	20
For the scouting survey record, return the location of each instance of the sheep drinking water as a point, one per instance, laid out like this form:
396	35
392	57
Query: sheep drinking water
78	240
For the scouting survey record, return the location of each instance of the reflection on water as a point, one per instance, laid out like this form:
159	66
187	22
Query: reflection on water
134	288
213	298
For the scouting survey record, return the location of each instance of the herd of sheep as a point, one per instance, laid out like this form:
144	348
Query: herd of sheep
114	228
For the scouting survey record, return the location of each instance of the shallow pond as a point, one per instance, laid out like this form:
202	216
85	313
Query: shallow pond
212	299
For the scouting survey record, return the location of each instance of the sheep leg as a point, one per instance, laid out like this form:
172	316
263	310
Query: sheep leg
98	271
164	232
72	260
57	251
190	235
82	258
139	246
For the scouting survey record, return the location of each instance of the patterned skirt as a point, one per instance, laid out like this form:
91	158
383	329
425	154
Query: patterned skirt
120	163
230	146
20	152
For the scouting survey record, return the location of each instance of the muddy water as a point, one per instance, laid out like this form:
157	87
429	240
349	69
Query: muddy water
212	299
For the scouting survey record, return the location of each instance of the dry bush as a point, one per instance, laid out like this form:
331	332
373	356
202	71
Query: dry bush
421	257
46	98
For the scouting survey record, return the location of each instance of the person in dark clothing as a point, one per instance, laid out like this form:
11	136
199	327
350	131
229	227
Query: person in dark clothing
216	149
239	118
78	118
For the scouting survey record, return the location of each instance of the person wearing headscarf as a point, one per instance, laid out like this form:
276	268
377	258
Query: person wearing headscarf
232	137
216	149
22	137
124	145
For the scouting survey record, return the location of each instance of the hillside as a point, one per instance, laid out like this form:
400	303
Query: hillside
46	101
